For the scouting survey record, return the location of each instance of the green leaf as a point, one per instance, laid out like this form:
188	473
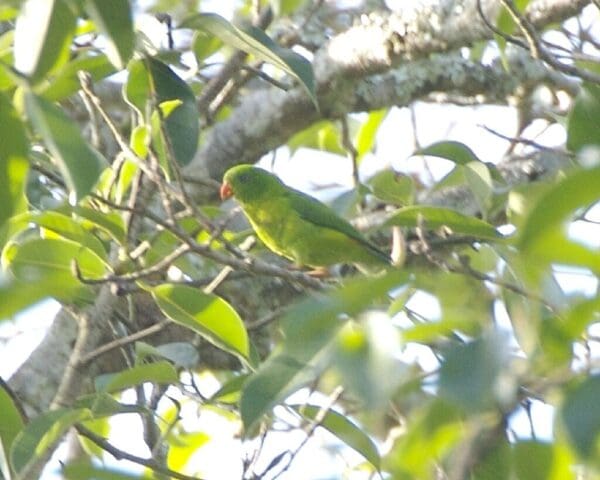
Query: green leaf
87	471
309	328
42	434
349	433
43	36
40	260
158	372
323	135
13	163
393	187
484	359
11	424
110	222
435	217
456	152
543	232
204	45
581	124
66	82
181	354
581	417
69	229
534	460
206	314
17	295
79	163
151	85
255	41
365	138
479	179
114	19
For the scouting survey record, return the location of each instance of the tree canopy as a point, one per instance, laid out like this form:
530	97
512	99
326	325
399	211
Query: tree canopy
118	120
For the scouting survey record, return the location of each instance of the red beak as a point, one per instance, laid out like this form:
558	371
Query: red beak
225	191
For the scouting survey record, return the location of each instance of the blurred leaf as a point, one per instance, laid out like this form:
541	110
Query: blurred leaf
534	460
161	372
340	426
151	84
43	35
285	7
43	260
431	432
204	45
79	163
543	231
435	217
309	327
495	461
13	163
393	187
323	135
69	229
66	82
230	390
206	314
87	471
17	295
456	152
110	222
42	434
581	124
366	136
479	181
181	354
12	423
581	417
484	359
255	41
506	24
114	19
183	446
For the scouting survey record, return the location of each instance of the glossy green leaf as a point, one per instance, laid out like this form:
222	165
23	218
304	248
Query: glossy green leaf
366	135
42	434
161	372
43	36
66	82
206	314
582	122
456	152
79	163
581	417
11	424
309	328
436	217
40	259
110	222
340	426
13	163
114	19
16	295
255	41
175	133
484	359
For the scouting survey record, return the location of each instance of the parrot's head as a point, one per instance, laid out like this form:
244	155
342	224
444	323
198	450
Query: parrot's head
248	183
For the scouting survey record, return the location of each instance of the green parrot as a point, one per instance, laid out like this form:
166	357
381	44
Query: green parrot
295	225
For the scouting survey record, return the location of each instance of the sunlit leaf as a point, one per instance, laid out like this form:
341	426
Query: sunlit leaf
114	19
255	41
79	163
11	424
393	187
366	136
161	372
206	314
456	152
43	35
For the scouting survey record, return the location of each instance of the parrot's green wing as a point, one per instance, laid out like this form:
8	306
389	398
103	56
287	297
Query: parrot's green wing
315	212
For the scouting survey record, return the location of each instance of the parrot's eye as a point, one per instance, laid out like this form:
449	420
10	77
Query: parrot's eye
244	177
